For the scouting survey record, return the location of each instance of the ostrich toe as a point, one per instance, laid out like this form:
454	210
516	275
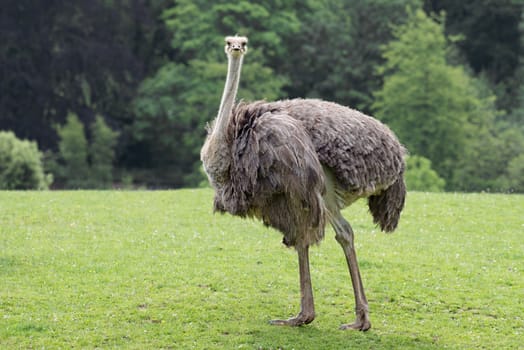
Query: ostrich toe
361	324
299	320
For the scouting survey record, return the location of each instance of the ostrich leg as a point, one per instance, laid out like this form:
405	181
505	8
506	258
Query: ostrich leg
344	236
307	307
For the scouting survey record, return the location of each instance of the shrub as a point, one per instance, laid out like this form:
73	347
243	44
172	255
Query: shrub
81	164
74	169
21	164
102	153
513	180
421	177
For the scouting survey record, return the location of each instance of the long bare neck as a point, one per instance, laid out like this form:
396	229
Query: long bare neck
228	96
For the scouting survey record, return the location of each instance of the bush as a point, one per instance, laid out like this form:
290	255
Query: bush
74	169
21	164
81	164
513	180
102	153
420	176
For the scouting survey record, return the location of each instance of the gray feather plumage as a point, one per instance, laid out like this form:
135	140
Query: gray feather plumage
279	152
275	174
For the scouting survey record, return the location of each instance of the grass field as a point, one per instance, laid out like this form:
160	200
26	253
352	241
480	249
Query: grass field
157	270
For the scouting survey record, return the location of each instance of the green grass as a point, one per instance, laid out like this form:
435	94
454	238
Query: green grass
158	270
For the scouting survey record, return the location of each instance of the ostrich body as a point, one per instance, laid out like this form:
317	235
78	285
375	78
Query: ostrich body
295	164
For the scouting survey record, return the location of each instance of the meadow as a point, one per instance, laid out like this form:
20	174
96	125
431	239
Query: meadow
157	270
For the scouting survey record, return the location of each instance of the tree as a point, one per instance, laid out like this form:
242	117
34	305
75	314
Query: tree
74	168
83	164
173	106
432	106
513	180
86	56
335	54
102	153
485	161
492	42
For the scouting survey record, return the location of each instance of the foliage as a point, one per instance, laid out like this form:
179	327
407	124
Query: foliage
492	43
420	177
73	152
335	54
511	142
173	106
486	162
21	164
433	106
513	180
155	70
86	56
102	154
82	164
156	270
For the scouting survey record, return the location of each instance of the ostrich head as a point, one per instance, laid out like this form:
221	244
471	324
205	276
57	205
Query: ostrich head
236	46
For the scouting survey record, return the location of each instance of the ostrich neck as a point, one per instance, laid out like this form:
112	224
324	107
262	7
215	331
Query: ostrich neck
228	97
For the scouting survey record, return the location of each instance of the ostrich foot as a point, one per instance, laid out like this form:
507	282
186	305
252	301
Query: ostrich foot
300	320
361	324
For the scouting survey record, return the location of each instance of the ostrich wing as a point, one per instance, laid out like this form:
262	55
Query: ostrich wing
275	175
363	153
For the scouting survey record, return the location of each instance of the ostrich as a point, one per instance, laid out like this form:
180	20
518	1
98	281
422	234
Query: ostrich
295	164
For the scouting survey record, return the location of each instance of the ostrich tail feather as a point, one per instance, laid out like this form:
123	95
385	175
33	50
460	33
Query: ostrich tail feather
387	205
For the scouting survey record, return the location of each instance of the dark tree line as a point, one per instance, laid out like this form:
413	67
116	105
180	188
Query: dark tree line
493	41
154	70
83	56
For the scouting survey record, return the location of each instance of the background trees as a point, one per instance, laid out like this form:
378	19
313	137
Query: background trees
337	50
173	106
73	168
434	107
492	44
446	75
